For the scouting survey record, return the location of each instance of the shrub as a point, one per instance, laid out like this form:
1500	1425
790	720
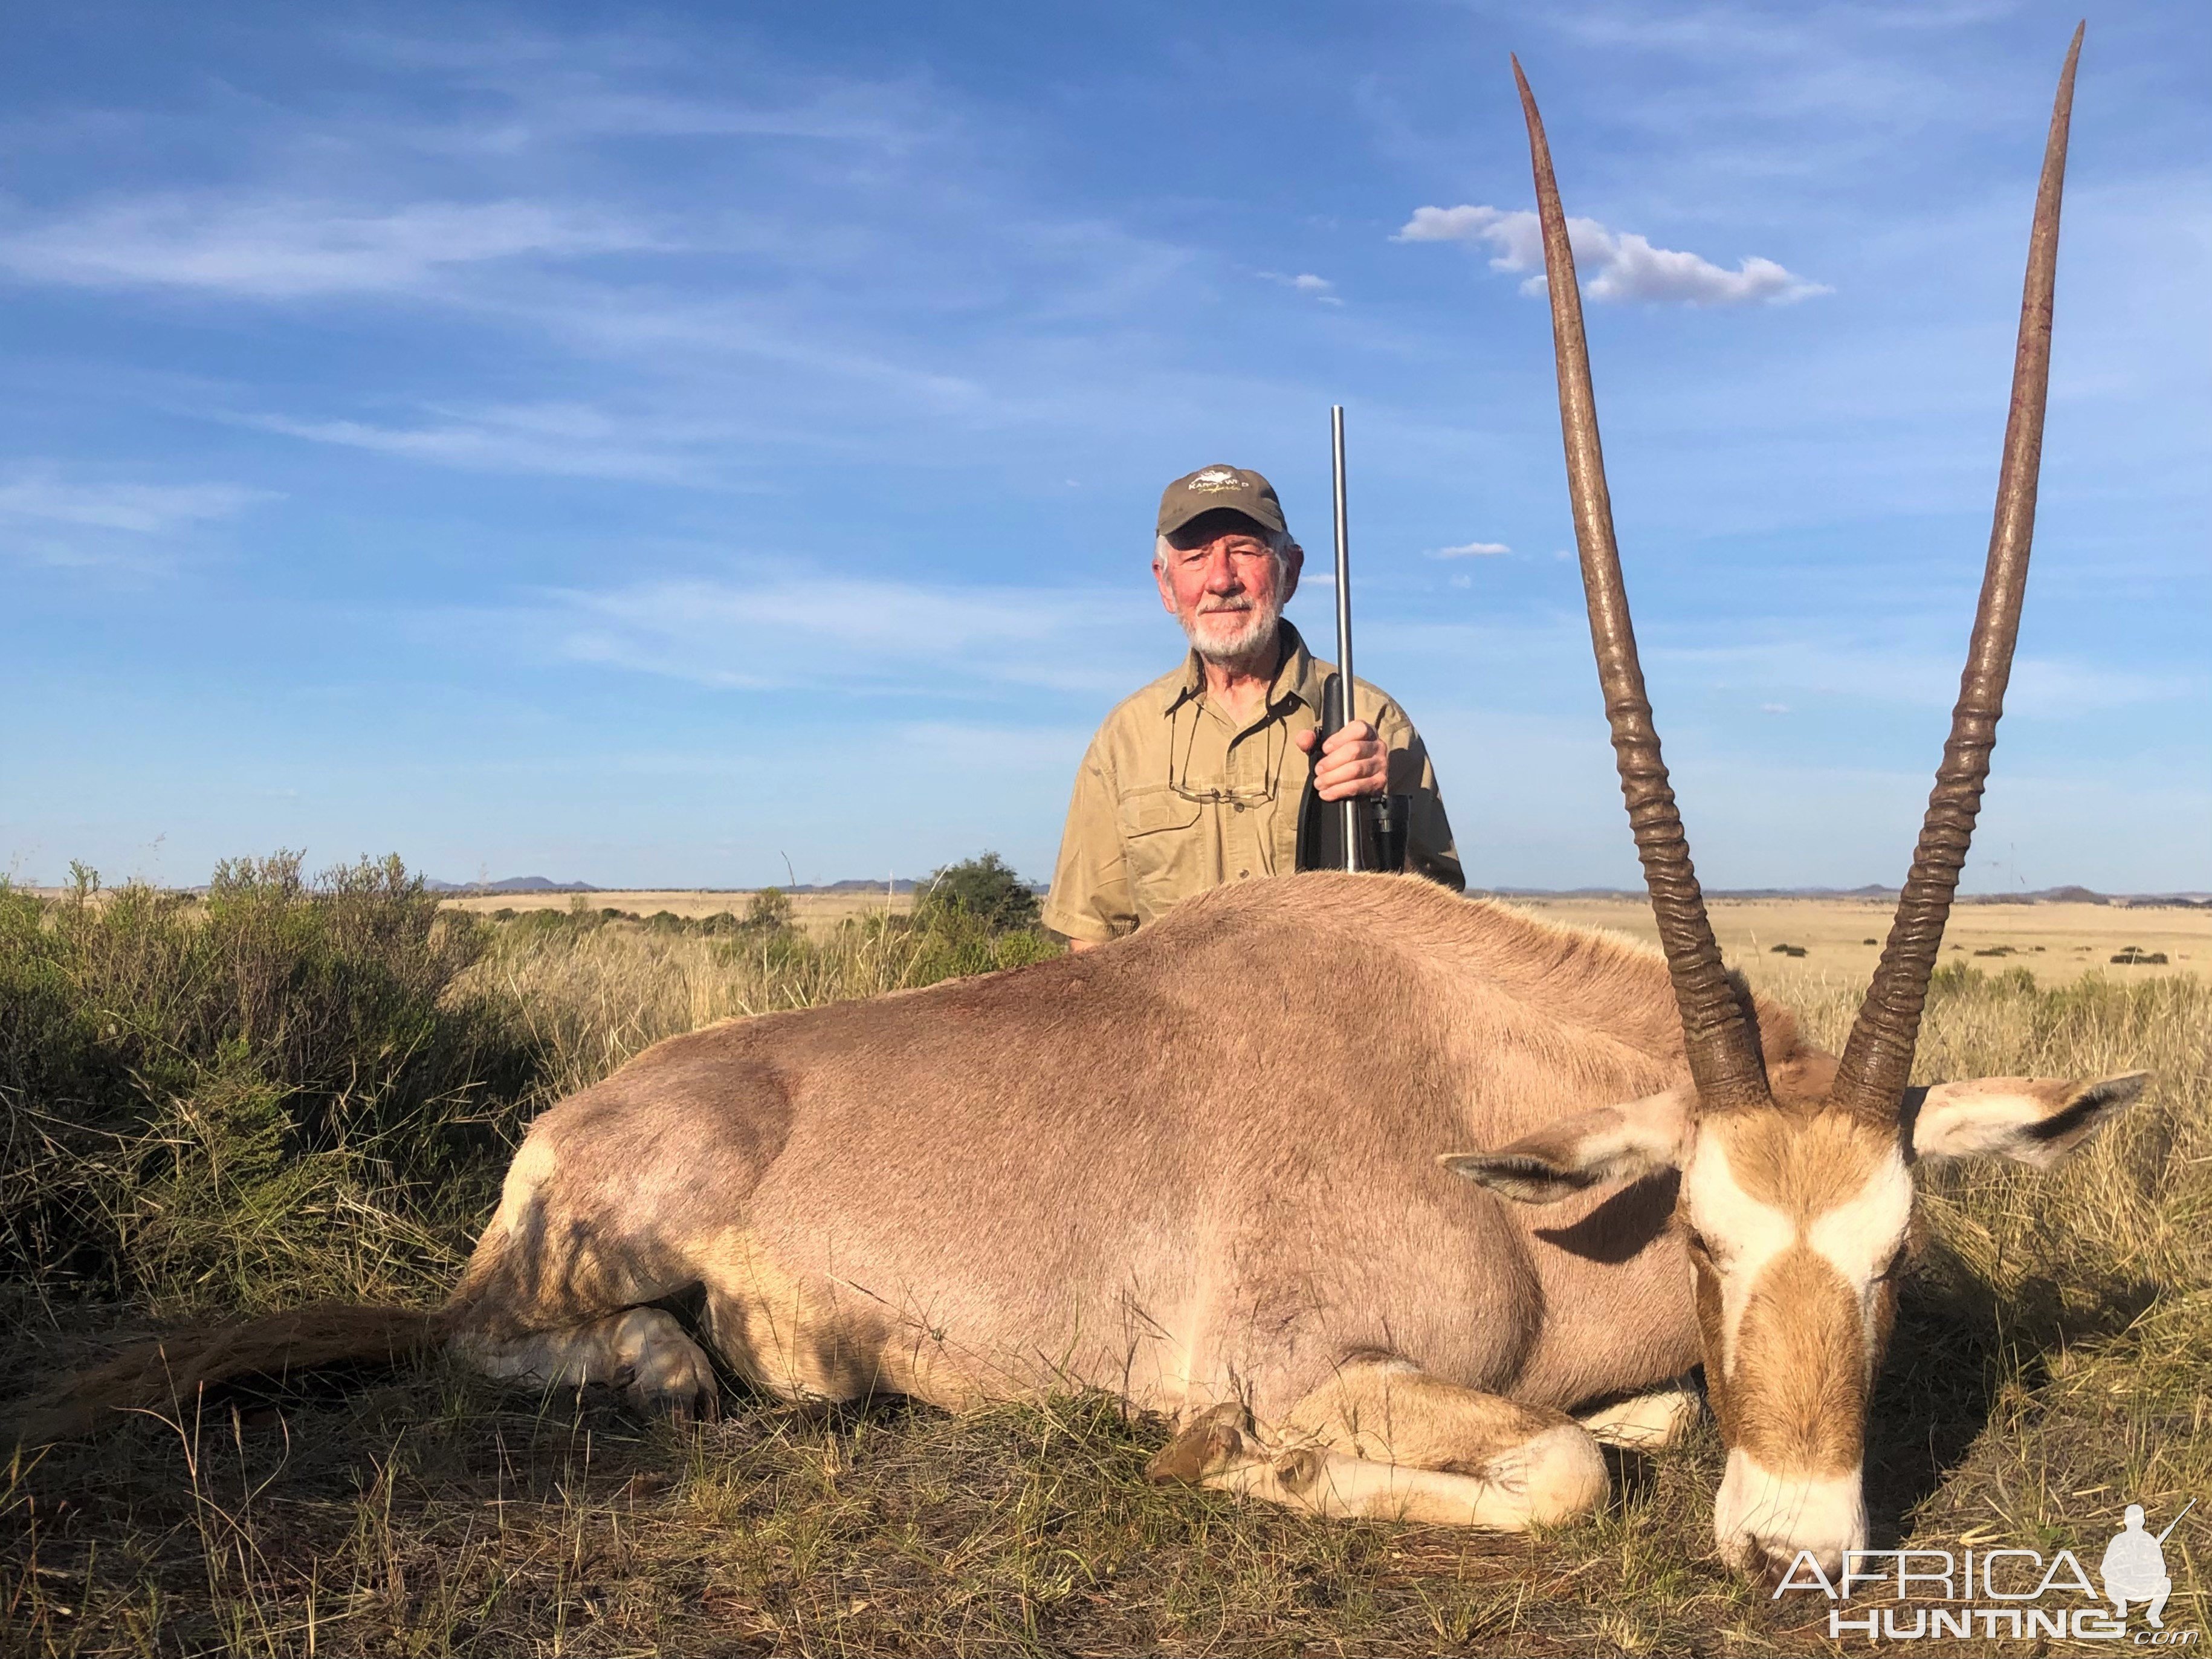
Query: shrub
165	1063
769	912
984	888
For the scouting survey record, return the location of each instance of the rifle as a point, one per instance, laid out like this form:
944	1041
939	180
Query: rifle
1365	832
2176	1521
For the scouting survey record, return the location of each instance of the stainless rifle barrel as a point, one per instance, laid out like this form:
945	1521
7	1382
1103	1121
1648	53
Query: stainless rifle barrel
1350	805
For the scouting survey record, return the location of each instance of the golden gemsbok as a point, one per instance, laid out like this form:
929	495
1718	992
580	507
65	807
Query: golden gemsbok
1151	1169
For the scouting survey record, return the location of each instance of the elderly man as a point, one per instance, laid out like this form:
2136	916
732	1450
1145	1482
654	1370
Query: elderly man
1197	779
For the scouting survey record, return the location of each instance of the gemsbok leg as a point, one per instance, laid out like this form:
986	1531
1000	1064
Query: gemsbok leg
554	1294
1384	1440
642	1352
1644	1422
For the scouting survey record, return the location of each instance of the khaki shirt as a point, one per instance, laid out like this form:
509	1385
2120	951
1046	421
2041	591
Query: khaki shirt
1172	799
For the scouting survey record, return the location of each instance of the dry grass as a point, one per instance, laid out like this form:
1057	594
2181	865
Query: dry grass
2048	1370
818	913
2058	943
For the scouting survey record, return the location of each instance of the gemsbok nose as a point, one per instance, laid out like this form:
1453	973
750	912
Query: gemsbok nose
1762	1521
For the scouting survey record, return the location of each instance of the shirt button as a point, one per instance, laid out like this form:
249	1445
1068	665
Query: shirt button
1240	805
1240	874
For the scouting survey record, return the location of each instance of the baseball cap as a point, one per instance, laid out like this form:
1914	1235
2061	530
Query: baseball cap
1213	488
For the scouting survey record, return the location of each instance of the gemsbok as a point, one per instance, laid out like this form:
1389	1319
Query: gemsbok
1156	1169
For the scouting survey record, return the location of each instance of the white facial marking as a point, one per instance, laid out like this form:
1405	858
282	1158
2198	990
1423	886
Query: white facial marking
1757	1511
1742	1233
1860	1238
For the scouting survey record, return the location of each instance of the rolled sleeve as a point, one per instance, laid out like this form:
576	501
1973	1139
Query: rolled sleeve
1091	898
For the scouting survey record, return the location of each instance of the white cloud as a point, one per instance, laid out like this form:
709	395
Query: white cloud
279	249
793	628
1305	283
1611	264
38	492
1471	550
574	440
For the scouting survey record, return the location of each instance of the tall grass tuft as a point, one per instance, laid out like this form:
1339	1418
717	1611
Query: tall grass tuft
591	995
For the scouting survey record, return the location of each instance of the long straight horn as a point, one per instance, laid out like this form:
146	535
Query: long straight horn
1878	1060
1722	1044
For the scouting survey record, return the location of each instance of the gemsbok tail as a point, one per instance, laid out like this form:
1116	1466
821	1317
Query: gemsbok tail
166	1374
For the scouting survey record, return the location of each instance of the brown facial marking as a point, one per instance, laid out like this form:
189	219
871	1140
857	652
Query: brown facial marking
1802	1163
1799	1387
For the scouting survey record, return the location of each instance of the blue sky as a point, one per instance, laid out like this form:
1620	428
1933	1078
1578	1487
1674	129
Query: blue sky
650	446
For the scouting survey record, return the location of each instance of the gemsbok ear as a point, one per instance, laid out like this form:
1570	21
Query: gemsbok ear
1613	1143
2031	1120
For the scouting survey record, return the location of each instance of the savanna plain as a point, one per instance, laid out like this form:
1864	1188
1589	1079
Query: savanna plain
293	1088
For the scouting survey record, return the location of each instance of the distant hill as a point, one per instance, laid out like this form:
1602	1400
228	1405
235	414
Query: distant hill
1870	892
511	884
1873	891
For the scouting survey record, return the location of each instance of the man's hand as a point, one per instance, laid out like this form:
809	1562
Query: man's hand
1352	762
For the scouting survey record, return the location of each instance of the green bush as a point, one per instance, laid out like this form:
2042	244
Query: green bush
769	912
984	888
165	1063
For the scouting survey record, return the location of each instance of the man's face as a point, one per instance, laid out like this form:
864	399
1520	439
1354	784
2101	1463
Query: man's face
1221	581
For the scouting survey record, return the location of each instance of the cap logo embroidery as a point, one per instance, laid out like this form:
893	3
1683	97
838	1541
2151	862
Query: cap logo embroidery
1216	477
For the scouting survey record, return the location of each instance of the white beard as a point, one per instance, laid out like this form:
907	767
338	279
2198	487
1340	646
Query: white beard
1216	636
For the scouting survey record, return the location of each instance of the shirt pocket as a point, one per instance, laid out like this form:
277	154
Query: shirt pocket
1161	848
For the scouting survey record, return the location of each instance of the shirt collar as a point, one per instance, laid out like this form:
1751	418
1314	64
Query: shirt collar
1298	677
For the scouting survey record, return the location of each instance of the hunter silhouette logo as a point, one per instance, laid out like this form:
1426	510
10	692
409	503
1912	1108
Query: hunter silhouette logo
2134	1567
2001	1593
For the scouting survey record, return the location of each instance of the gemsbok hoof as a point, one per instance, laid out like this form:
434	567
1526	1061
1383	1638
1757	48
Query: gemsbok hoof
1214	1441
